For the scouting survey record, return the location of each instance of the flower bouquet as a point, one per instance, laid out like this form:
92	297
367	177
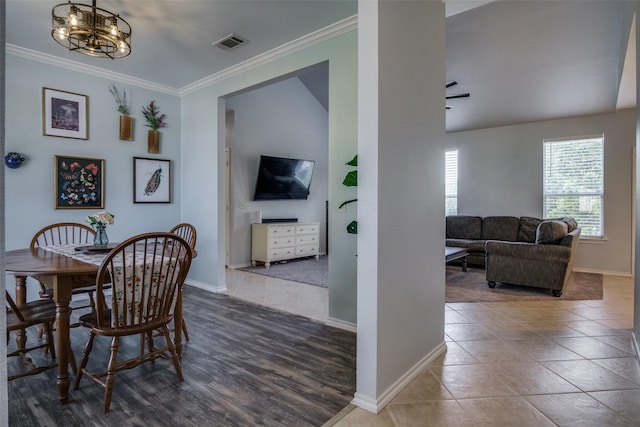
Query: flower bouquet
100	219
99	222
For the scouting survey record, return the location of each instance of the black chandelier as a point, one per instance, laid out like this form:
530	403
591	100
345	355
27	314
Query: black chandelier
90	30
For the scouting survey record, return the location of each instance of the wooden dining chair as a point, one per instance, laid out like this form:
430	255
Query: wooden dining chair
37	312
146	273
189	234
66	233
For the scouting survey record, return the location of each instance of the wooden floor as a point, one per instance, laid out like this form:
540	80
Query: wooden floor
245	365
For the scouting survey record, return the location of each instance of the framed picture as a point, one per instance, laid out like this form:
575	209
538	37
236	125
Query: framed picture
64	114
151	180
78	182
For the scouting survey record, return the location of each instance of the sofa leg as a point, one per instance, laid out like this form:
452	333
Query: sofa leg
491	284
556	293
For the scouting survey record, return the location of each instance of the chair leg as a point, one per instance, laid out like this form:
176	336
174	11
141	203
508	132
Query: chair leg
174	355
92	302
111	373
85	358
150	343
50	341
184	330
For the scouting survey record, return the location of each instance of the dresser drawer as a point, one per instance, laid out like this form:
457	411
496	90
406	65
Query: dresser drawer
281	230
281	242
281	253
307	229
306	250
306	239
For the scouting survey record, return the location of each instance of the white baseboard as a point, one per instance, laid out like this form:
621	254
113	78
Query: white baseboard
238	266
374	405
608	273
341	324
206	286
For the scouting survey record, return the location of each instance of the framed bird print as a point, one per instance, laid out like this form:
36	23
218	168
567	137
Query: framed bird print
151	180
78	182
64	114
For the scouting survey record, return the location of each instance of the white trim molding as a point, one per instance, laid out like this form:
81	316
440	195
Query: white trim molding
326	33
374	405
341	324
206	286
87	69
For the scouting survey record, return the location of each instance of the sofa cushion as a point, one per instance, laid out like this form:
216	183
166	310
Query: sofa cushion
551	231
463	227
476	246
527	229
500	228
458	243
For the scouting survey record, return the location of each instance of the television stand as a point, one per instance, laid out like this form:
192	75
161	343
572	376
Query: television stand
283	241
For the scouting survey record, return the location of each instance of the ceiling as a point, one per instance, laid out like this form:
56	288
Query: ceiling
521	61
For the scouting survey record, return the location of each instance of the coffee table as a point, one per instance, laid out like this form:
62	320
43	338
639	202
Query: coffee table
452	254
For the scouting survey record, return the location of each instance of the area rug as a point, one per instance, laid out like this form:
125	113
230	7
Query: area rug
302	270
472	287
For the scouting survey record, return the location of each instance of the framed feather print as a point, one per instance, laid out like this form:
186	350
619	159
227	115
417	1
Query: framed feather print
78	182
151	180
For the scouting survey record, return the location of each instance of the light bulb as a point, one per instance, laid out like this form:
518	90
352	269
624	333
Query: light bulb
73	19
62	33
114	30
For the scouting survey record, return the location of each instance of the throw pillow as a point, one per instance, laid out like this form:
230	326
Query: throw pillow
571	223
551	231
527	229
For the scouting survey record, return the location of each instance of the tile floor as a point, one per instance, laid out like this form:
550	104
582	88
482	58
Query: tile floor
534	363
292	297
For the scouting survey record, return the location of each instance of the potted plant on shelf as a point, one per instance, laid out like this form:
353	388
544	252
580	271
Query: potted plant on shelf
126	121
155	121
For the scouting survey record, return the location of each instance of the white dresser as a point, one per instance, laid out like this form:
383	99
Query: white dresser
281	241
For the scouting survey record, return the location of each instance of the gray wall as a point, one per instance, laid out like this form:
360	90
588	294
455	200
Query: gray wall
500	173
284	120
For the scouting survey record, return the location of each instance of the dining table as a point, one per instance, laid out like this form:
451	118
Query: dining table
62	273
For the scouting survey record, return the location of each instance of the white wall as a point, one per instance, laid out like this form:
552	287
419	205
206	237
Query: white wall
500	173
29	189
284	120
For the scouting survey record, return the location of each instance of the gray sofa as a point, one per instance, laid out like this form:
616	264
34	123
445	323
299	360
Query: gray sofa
518	250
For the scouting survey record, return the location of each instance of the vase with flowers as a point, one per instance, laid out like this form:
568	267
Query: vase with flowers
155	121
99	222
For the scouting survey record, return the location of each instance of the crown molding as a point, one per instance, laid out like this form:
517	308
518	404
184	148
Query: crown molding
87	69
326	33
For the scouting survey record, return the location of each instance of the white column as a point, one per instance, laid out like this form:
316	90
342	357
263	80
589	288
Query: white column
401	131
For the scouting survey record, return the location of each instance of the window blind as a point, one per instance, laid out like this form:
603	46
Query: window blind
574	182
451	182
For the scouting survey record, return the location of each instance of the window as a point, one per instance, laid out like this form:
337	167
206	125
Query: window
451	182
574	181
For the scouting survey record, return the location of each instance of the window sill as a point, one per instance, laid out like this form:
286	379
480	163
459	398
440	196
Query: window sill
593	240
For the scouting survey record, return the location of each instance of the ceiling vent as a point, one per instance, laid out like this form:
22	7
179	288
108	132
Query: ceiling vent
229	42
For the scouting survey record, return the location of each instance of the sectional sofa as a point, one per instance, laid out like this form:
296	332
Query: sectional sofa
523	250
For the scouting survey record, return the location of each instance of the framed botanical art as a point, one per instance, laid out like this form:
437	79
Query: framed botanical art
151	180
78	182
64	114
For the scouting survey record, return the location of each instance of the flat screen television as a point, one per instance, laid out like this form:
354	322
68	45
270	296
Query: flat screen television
280	178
